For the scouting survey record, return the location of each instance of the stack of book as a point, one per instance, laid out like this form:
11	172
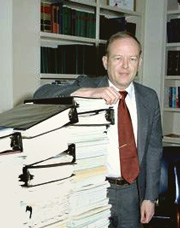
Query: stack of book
54	151
88	202
38	164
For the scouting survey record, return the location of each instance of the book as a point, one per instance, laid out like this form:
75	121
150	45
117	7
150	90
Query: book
35	119
173	34
110	26
69	59
54	19
172	137
46	15
90	111
52	169
173	62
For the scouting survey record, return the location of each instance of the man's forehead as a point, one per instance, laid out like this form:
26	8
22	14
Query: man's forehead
121	46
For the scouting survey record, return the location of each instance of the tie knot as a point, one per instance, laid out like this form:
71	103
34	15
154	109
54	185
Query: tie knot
123	94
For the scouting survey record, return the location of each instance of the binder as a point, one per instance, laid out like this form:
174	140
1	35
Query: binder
96	117
35	148
37	129
35	119
53	169
91	111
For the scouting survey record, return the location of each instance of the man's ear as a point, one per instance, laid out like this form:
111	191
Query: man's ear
104	60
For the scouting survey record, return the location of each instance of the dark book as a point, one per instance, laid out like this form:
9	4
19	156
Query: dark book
178	89
77	24
175	26
34	119
173	63
116	25
170	97
103	27
90	60
71	59
109	26
169	32
91	25
131	28
73	22
44	60
101	53
66	14
83	16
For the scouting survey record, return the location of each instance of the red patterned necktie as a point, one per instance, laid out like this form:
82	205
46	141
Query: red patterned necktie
128	152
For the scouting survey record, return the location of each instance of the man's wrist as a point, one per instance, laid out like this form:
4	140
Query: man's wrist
154	201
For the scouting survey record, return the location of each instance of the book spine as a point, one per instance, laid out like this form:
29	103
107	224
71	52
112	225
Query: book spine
46	17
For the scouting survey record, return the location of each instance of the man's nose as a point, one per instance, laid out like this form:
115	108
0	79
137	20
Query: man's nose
125	63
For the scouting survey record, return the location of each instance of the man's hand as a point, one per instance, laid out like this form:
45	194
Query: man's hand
147	211
109	94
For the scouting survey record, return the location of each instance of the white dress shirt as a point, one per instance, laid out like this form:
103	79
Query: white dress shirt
113	164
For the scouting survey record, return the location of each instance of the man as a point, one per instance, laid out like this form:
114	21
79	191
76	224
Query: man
132	203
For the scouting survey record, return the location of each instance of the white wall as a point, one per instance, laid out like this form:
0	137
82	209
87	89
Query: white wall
19	51
6	66
154	44
26	48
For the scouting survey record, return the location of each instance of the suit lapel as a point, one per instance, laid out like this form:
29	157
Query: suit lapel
142	116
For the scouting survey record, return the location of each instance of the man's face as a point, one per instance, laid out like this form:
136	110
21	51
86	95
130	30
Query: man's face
123	62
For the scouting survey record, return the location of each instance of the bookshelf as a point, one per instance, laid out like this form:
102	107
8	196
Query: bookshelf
171	79
20	53
100	9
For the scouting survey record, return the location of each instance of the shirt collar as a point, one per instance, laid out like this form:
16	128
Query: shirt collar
129	89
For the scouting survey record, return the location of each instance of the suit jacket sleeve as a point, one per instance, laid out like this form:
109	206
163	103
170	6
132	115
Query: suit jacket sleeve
60	90
154	154
149	142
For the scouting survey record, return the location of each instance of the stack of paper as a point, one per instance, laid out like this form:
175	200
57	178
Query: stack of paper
36	165
10	167
47	204
53	164
88	203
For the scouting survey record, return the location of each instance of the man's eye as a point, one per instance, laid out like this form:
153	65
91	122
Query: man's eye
133	59
117	58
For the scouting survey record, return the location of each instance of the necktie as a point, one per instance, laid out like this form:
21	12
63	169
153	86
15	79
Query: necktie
128	152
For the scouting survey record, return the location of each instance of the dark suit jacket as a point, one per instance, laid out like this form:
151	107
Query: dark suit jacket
149	138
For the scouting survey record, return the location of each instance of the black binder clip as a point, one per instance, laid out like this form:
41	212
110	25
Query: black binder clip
16	141
110	115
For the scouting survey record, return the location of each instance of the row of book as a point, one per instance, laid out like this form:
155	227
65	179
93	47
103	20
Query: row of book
172	97
173	62
173	30
72	59
52	161
61	19
110	26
